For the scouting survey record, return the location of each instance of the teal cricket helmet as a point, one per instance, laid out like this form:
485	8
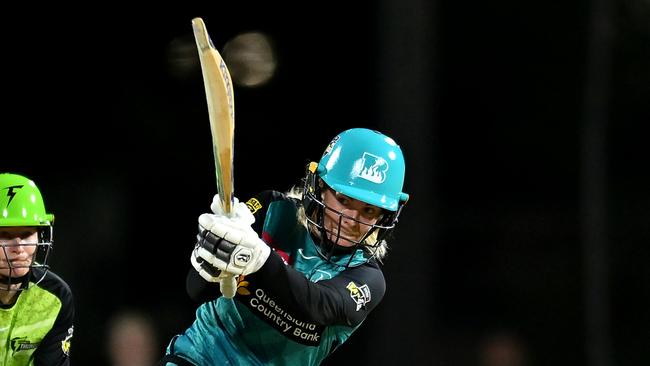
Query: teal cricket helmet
365	165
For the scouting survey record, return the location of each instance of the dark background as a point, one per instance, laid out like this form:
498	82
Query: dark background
524	127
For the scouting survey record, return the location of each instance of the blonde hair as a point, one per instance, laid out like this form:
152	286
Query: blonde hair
379	250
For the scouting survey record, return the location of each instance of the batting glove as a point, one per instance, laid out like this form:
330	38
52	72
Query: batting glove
240	219
240	212
230	245
227	281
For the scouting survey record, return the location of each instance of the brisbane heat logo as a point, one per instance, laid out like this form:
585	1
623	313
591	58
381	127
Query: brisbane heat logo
372	168
359	294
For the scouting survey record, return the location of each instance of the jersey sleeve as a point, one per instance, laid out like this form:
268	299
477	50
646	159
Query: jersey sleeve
199	289
346	299
54	349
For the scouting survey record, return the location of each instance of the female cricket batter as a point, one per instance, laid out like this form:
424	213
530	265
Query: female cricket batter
305	264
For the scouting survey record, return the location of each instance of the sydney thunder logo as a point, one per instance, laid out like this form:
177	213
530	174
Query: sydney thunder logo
11	193
23	344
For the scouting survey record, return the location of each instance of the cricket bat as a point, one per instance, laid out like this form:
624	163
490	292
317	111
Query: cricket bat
221	110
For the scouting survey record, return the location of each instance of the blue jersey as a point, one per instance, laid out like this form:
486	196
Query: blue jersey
296	310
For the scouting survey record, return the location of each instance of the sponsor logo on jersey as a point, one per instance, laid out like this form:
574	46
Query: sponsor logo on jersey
360	294
253	205
242	286
23	344
281	318
65	344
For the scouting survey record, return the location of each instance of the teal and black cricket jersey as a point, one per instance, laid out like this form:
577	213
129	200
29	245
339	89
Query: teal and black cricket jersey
37	328
296	310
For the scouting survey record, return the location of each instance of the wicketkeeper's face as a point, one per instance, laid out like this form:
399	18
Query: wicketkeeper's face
17	247
346	219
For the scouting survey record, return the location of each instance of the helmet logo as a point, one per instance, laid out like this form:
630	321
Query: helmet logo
329	147
11	193
372	168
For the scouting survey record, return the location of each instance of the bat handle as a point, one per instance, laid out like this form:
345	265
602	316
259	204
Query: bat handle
228	285
227	202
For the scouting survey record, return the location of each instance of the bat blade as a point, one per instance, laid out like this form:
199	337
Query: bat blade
221	110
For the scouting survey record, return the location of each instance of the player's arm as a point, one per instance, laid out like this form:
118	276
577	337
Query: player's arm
228	246
54	349
199	289
343	300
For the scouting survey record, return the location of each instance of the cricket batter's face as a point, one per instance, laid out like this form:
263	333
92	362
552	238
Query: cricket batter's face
346	219
17	247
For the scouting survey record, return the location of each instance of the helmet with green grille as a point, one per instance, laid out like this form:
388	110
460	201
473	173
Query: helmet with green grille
21	205
365	165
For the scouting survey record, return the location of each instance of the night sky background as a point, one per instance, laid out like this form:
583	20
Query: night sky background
524	127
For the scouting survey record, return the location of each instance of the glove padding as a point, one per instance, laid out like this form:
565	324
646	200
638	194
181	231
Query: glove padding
240	219
240	211
227	281
229	243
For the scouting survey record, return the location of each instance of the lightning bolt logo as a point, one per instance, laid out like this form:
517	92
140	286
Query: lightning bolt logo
11	193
